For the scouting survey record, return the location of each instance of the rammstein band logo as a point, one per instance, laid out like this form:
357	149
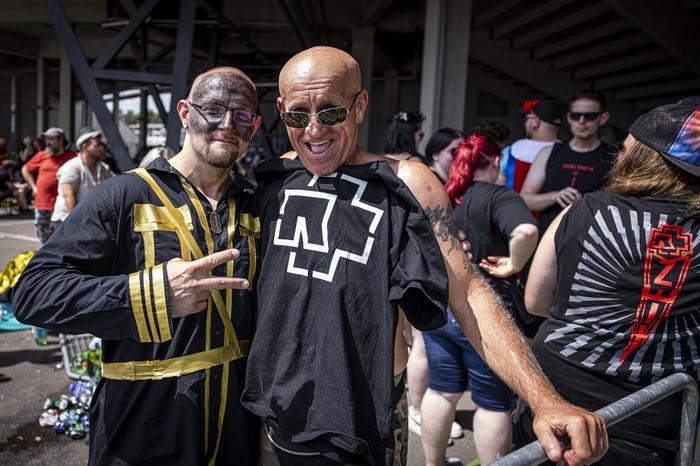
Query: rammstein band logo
301	232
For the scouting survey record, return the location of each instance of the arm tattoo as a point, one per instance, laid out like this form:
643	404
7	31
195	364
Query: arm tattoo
444	226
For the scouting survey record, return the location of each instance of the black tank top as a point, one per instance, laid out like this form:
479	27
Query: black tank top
584	171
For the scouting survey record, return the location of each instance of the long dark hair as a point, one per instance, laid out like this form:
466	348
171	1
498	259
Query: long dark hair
476	151
439	140
401	136
641	171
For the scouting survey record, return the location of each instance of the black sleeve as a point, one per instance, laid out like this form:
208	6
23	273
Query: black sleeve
510	211
70	286
419	280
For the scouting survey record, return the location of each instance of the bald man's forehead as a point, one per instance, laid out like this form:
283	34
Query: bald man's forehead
225	87
320	64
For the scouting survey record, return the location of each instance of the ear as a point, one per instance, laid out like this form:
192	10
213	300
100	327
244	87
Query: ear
361	105
280	104
183	110
604	118
256	125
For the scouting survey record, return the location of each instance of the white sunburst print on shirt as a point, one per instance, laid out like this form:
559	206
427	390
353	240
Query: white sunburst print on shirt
618	314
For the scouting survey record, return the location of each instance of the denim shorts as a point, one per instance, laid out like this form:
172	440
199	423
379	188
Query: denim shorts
455	367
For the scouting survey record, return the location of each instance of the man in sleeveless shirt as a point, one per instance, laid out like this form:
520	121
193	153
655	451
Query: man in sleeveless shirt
542	121
564	172
133	264
348	237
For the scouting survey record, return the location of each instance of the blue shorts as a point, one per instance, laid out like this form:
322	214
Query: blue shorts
455	366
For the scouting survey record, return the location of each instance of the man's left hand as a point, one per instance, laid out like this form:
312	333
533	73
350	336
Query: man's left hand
589	437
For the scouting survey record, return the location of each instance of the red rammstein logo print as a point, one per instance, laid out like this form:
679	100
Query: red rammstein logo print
666	264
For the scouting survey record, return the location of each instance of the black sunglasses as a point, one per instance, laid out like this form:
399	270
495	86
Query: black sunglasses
215	114
588	116
328	117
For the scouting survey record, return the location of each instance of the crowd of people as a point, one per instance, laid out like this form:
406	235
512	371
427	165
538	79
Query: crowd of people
271	324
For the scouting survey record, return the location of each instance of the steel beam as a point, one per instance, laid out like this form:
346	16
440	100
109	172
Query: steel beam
124	34
531	16
621	64
675	87
651	74
595	53
499	55
690	4
548	28
494	12
83	73
180	70
376	10
666	26
133	76
581	39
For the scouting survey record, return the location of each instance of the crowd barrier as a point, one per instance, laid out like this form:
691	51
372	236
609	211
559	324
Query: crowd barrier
689	446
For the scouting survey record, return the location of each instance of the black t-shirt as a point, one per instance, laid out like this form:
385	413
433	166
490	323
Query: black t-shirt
584	171
339	253
626	312
488	214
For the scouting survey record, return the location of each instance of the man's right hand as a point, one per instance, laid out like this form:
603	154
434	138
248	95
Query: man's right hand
191	282
567	196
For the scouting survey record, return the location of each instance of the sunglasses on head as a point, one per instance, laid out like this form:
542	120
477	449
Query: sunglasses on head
215	114
588	116
328	117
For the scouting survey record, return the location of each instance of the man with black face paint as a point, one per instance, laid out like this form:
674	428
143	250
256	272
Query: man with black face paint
149	262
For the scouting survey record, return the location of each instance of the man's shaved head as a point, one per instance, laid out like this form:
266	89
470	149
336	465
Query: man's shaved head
321	62
219	141
223	78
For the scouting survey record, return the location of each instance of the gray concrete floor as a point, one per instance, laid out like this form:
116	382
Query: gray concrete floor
29	375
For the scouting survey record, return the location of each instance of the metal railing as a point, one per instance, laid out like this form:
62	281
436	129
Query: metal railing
688	448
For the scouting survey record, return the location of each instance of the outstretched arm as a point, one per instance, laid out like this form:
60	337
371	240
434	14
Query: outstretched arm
493	334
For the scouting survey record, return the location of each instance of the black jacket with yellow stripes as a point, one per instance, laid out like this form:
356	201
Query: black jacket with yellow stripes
171	387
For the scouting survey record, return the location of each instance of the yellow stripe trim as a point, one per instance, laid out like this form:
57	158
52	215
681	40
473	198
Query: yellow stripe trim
159	303
137	308
250	228
149	249
230	232
174	367
149	308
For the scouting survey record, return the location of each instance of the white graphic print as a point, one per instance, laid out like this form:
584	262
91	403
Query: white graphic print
301	231
600	321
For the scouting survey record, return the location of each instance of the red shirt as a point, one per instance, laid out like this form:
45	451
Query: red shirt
46	182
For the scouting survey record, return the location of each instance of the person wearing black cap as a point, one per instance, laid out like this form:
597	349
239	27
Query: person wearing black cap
542	121
564	172
624	265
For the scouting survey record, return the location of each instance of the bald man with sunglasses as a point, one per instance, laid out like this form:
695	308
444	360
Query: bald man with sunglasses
353	243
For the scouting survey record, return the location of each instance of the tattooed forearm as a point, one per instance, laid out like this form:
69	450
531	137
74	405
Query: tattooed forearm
444	226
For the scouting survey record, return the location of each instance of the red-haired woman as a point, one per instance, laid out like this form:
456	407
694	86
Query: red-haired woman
503	236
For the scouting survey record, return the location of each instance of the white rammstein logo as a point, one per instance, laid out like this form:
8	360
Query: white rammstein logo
301	233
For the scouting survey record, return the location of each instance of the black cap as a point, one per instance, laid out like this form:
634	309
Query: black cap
673	131
547	110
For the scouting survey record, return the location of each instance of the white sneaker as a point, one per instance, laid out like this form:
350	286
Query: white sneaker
456	431
414	425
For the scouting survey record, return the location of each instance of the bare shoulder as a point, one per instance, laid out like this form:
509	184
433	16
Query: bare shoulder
424	185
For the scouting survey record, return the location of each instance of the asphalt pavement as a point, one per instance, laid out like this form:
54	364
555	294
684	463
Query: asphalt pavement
29	374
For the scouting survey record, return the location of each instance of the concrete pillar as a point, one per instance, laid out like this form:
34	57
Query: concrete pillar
66	107
42	95
12	142
363	51
143	122
445	59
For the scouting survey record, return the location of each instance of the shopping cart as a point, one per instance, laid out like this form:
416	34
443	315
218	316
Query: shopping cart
71	348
